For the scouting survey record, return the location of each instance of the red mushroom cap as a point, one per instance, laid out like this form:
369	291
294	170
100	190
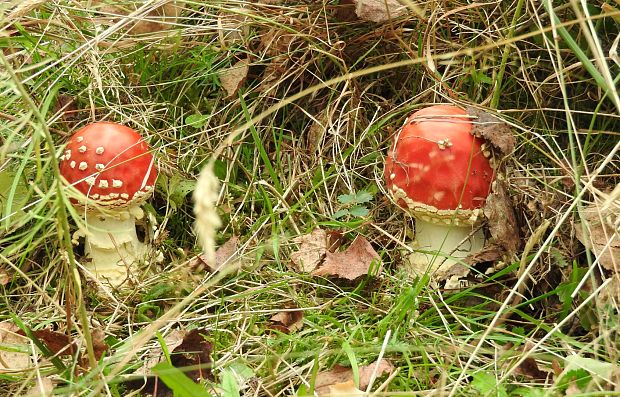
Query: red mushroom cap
435	166
109	163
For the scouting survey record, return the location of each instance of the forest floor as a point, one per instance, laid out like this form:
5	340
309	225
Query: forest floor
294	104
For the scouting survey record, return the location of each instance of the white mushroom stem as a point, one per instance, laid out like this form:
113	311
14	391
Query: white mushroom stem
112	244
440	248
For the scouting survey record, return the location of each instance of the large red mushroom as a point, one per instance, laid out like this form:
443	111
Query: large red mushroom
440	173
113	171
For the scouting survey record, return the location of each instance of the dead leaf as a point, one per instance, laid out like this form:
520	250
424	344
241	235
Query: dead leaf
345	389
312	250
340	375
379	10
58	343
99	347
501	218
288	321
382	367
610	294
233	78
601	236
99	344
493	130
490	253
155	354
154	20
4	277
194	351
357	260
335	239
43	388
345	11
66	107
316	132
15	351
529	369
233	26
277	42
226	256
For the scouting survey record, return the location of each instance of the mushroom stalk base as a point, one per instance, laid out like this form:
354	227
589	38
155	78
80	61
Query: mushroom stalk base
113	246
444	247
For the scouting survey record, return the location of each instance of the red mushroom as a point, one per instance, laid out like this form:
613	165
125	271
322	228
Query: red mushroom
113	169
440	174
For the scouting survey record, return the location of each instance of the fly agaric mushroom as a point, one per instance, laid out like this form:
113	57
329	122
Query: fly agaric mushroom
113	169
441	175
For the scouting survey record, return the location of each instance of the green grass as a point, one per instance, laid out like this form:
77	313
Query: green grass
310	123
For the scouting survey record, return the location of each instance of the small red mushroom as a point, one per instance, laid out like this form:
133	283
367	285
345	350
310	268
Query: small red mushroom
113	169
440	174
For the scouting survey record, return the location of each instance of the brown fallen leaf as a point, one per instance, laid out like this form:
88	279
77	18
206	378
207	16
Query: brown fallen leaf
153	20
233	26
490	253
529	369
501	219
335	239
345	11
288	321
193	352
43	388
58	343
345	389
601	236
155	354
312	250
381	367
356	261
379	10
15	354
233	78
493	130
4	277
226	256
340	375
99	344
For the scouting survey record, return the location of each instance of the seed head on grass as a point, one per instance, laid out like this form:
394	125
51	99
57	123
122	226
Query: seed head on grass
207	220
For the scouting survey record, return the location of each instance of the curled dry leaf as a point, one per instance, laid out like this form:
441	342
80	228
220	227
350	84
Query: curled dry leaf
226	256
379	10
602	235
312	250
288	321
356	261
493	130
233	78
340	375
502	222
15	355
